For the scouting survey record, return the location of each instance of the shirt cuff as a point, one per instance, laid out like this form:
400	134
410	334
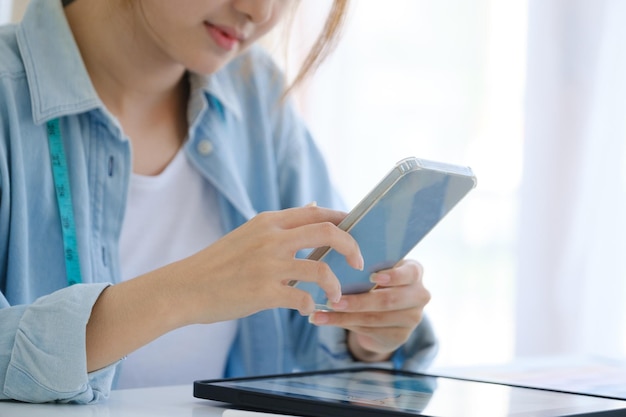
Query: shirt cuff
48	361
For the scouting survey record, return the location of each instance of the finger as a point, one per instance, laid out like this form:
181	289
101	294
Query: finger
326	234
408	318
381	341
406	272
285	272
384	299
299	216
300	300
320	273
388	335
295	299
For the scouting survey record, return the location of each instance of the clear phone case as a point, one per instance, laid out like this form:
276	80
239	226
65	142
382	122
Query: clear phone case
392	219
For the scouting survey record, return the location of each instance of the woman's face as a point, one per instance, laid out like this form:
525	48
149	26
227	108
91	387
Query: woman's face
203	35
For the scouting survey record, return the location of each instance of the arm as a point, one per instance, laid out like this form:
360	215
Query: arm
61	347
244	272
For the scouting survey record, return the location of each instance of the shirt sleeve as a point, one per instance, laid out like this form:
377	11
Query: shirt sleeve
43	349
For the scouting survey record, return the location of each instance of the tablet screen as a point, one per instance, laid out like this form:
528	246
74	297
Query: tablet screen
381	392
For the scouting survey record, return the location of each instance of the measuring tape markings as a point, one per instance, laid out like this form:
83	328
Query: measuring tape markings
60	174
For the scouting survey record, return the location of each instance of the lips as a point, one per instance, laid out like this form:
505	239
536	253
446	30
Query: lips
225	37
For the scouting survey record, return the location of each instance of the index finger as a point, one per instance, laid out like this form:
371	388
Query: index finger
299	216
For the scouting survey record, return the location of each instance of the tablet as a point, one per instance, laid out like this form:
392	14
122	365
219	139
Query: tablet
392	219
363	392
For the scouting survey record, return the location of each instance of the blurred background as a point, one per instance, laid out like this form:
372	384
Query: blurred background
442	81
531	94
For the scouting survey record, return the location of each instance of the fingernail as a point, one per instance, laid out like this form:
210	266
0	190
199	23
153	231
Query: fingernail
361	263
312	204
318	318
380	278
339	305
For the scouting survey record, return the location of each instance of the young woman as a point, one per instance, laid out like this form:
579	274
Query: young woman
155	190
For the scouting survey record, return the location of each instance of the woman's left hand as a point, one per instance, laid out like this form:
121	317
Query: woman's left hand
380	321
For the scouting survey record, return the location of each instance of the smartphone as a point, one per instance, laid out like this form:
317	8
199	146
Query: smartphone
392	219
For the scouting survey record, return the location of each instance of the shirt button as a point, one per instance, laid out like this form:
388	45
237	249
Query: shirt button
205	147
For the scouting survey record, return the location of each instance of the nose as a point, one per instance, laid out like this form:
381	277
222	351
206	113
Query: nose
258	11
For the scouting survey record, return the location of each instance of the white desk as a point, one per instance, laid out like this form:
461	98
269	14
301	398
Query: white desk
591	375
175	401
584	374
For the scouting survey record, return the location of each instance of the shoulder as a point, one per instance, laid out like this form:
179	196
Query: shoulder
14	90
13	84
11	63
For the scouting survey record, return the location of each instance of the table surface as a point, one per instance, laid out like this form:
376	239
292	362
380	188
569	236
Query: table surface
153	402
587	375
594	375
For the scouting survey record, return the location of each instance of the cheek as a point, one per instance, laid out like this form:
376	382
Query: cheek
165	18
267	27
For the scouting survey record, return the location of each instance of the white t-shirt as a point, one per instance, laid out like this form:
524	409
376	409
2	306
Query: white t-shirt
169	217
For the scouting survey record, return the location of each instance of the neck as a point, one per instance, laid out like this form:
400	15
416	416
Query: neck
139	85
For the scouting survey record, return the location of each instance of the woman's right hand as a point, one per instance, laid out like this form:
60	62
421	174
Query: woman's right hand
248	270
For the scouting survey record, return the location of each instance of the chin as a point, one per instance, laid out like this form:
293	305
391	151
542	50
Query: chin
208	67
209	63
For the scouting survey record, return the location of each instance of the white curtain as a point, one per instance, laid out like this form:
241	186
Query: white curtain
439	80
5	11
571	271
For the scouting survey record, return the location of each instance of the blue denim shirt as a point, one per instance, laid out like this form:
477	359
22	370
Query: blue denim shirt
251	146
